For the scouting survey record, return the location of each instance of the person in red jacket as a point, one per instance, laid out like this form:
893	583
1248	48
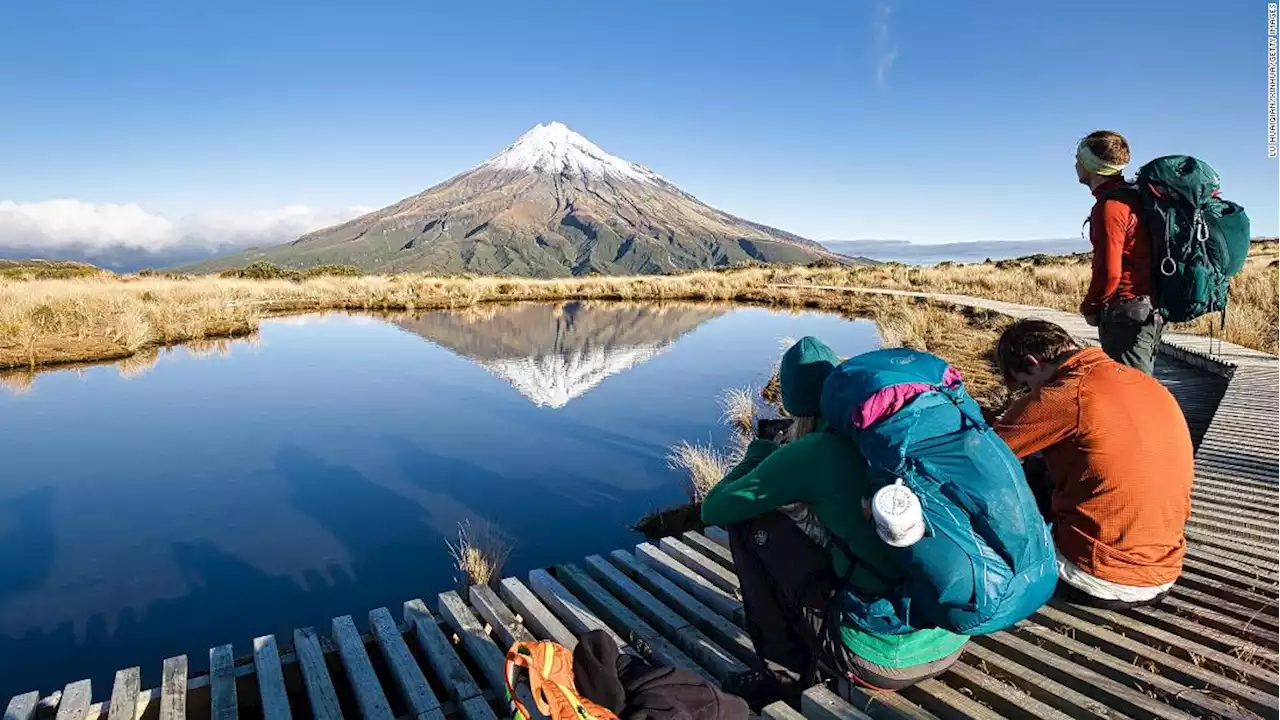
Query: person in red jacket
1119	298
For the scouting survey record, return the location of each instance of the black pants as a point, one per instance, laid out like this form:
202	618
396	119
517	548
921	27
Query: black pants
1130	334
788	587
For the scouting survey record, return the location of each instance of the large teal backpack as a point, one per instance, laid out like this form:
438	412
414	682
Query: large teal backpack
986	560
1198	240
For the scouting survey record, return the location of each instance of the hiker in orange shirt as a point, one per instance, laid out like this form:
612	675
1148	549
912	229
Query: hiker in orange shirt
1119	300
1118	458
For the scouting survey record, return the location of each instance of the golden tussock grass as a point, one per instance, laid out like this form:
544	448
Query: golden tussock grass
105	317
478	554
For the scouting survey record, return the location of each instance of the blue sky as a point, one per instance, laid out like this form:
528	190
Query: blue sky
905	119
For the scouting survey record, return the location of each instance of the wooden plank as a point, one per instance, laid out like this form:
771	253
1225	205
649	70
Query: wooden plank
686	637
692	583
534	614
22	707
717	535
474	640
1079	678
271	690
504	623
780	711
75	700
944	701
885	705
819	703
173	689
355	661
222	683
444	662
480	648
725	633
1009	700
315	675
701	565
1170	667
477	708
1050	692
413	685
660	650
569	608
713	550
124	695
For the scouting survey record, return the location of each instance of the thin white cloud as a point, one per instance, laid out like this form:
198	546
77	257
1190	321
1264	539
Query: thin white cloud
882	44
66	223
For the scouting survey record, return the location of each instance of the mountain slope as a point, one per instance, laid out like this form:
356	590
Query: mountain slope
552	204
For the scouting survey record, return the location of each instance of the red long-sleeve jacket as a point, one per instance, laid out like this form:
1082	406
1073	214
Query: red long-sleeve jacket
1121	250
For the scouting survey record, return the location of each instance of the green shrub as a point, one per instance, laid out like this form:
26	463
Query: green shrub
343	270
262	270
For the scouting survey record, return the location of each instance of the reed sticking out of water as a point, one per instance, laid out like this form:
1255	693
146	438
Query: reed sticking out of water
479	554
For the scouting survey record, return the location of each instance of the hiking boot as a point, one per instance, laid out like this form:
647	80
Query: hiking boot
761	687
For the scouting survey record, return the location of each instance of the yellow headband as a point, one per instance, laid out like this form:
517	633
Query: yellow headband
1095	164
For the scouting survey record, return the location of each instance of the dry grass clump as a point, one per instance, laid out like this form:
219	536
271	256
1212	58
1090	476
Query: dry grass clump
479	554
704	465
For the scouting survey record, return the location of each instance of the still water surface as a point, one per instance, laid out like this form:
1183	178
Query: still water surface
149	510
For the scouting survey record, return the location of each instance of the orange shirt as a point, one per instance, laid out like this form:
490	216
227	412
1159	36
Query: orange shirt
1119	455
1121	249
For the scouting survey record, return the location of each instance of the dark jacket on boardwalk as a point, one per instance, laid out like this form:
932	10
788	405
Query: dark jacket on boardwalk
635	690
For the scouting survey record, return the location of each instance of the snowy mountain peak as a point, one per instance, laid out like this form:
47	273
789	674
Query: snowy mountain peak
555	149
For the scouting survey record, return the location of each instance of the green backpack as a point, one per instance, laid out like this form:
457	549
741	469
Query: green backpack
1198	240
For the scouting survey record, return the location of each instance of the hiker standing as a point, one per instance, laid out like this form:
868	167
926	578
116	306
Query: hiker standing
1119	463
1119	299
789	581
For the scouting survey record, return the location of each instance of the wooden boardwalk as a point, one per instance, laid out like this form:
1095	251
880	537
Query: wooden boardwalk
1209	651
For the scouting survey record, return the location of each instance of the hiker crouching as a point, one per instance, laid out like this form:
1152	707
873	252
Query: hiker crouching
1118	461
791	577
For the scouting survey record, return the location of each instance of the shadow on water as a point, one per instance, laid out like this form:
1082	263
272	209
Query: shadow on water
27	522
385	536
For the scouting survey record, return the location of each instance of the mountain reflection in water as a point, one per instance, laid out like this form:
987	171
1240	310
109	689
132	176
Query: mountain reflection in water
555	353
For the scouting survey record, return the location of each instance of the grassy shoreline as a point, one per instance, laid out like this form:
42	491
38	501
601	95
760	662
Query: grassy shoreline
45	322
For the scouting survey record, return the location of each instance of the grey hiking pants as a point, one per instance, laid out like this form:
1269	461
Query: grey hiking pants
1130	333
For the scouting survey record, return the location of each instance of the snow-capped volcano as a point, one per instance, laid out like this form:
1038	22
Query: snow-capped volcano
556	150
552	354
552	204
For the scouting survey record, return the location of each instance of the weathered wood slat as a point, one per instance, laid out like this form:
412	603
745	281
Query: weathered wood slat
474	640
1006	700
713	550
700	564
271	689
1044	689
819	703
568	608
22	707
444	661
885	705
506	626
717	535
222	683
660	650
355	661
682	632
75	700
124	695
780	711
173	689
946	702
1080	678
725	633
1232	625
692	583
315	675
536	616
1198	632
404	668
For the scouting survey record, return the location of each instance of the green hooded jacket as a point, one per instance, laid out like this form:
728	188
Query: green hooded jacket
828	474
